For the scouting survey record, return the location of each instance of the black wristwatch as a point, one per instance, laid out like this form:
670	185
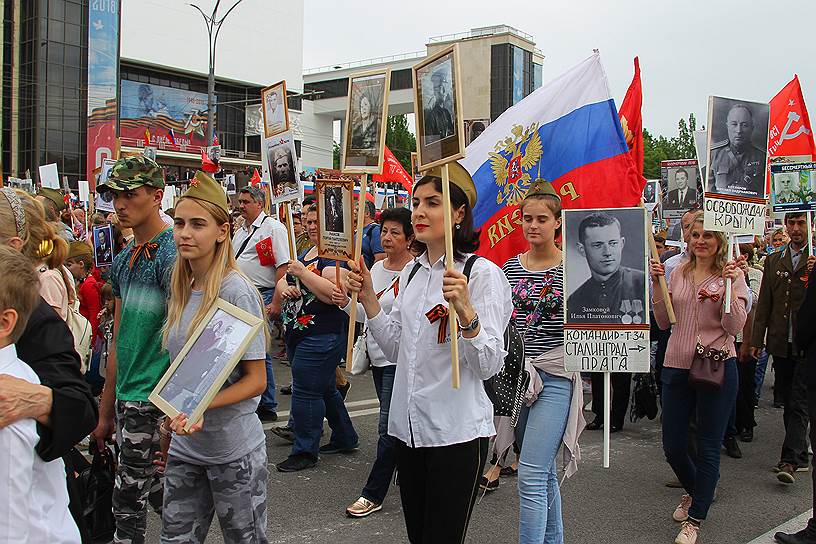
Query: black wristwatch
472	326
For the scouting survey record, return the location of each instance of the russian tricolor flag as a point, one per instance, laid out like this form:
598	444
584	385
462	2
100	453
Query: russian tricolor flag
567	132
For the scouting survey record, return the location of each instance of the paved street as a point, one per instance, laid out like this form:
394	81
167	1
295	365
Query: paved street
626	503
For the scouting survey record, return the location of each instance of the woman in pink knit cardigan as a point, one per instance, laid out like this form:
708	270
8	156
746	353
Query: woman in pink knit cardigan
697	291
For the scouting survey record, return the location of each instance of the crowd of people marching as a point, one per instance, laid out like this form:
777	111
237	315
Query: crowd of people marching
444	445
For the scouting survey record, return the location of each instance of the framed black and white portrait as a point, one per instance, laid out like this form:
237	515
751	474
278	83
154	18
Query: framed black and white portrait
206	361
334	211
737	147
605	265
651	193
440	127
366	119
280	166
275	109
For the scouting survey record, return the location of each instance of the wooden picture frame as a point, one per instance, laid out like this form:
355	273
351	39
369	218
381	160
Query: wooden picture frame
364	142
335	202
201	367
437	87
277	122
280	151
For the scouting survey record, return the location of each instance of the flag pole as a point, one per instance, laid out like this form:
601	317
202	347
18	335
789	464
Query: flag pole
452	319
358	246
607	408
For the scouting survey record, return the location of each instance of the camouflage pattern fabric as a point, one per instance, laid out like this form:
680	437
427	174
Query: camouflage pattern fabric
131	173
137	478
234	491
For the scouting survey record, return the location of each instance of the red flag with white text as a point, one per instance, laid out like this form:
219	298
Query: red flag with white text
393	172
790	133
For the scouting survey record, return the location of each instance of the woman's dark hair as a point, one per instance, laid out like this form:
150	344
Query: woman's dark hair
465	239
401	216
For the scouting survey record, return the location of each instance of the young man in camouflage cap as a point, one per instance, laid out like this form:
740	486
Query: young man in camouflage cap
140	276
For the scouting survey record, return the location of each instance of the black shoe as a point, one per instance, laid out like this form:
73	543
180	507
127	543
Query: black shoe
508	471
802	537
747	435
294	463
286	390
344	390
265	415
488	485
595	425
732	449
287	433
615	429
331	449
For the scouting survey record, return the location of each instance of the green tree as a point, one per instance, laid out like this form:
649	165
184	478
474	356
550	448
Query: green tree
400	140
660	148
335	155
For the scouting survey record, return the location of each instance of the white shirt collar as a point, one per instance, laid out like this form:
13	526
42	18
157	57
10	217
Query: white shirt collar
8	354
257	222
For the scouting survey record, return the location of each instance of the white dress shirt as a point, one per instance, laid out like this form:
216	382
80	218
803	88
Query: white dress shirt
263	227
33	493
425	410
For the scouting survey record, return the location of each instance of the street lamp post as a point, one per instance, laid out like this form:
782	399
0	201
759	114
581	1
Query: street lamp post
213	23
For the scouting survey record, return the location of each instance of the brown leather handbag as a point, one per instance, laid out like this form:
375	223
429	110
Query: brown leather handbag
707	370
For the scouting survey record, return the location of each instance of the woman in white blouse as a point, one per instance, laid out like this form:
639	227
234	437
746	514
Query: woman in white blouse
397	234
442	433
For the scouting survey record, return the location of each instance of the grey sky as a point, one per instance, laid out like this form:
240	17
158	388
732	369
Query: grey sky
688	50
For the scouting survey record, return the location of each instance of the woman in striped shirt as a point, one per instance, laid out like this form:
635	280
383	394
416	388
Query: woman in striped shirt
537	277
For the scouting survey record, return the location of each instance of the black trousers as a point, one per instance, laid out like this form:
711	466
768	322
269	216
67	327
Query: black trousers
621	385
811	401
438	487
746	394
790	379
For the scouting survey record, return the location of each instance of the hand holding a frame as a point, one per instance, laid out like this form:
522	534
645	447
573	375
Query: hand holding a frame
178	423
455	290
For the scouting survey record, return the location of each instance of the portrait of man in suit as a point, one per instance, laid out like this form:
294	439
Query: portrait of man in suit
334	211
683	195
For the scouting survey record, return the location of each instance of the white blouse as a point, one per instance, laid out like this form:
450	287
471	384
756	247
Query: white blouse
425	410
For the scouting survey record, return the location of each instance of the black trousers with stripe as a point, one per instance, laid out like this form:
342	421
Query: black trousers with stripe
438	487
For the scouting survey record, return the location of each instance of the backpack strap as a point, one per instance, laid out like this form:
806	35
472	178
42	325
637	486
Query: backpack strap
469	266
414	270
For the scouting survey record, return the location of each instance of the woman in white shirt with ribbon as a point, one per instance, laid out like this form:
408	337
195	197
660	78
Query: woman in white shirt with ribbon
397	235
442	433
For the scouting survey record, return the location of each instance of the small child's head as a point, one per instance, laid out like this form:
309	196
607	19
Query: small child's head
19	292
108	300
80	260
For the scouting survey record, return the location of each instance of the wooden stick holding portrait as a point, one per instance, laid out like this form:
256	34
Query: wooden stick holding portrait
440	141
728	280
661	281
358	246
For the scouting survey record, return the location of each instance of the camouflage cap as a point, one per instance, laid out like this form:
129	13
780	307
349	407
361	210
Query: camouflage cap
132	172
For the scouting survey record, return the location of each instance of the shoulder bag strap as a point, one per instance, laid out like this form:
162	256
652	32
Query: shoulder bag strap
248	238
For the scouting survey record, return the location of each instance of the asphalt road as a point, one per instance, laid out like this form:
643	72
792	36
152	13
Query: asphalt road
627	503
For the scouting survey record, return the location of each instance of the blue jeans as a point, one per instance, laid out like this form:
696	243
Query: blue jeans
713	408
762	367
379	479
539	433
315	395
269	400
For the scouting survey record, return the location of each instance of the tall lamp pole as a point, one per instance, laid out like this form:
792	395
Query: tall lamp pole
213	23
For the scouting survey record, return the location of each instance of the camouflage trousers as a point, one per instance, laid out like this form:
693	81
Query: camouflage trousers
137	479
234	491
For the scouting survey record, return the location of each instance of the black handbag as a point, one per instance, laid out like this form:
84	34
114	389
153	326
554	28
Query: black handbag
506	389
644	397
97	486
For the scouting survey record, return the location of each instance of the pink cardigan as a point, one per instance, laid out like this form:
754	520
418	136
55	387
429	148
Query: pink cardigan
716	328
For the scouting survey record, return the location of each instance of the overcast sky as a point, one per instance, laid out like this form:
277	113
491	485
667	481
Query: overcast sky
688	50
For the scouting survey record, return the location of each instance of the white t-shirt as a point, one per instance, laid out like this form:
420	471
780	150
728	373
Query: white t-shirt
384	281
33	493
263	227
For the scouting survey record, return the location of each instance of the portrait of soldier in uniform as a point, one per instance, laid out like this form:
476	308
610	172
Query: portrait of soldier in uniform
438	111
737	161
682	194
613	293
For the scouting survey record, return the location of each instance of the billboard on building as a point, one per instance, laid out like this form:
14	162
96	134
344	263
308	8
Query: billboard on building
103	74
173	119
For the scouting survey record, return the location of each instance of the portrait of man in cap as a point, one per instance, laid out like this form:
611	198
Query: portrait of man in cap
613	293
737	162
274	109
439	108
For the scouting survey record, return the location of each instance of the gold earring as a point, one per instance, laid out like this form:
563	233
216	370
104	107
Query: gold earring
45	249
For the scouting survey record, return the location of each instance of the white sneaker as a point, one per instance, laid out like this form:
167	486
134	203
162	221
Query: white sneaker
681	512
688	533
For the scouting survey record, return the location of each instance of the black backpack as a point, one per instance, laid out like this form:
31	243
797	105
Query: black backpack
506	389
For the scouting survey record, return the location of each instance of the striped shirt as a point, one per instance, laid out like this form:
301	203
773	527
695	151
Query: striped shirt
538	305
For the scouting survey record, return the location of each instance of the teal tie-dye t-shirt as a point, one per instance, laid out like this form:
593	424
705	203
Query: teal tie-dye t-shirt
144	290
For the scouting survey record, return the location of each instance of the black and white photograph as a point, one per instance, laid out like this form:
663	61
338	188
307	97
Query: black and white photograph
150	152
214	154
391	201
680	181
605	260
440	128
473	128
366	116
229	184
650	192
737	147
103	245
280	166
206	361
792	186
334	210
275	109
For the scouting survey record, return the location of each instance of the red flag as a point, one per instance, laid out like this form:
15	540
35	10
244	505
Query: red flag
215	140
393	172
265	254
256	177
632	120
206	164
790	133
147	137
